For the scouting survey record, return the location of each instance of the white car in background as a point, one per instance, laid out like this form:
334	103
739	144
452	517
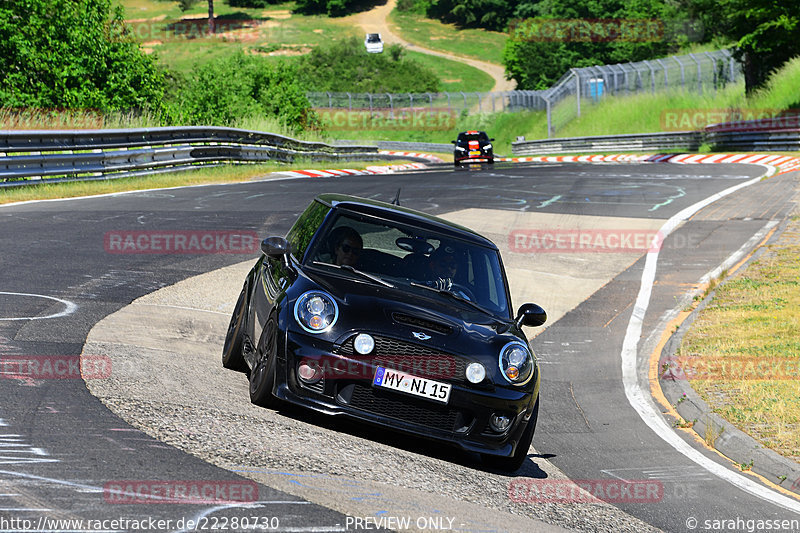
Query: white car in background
373	43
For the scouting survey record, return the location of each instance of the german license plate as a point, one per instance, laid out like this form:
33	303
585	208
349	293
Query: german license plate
474	152
387	378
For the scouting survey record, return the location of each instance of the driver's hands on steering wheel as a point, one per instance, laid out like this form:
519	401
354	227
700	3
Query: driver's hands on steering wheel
441	283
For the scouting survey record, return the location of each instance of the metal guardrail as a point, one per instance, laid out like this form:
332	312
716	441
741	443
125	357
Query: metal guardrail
680	140
780	133
740	136
412	146
37	156
753	141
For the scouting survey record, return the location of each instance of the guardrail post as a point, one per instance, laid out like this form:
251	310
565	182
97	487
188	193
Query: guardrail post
652	77
714	69
664	67
549	117
699	74
683	74
731	63
577	91
391	103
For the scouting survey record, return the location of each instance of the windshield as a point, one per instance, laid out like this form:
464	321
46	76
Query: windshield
466	137
410	256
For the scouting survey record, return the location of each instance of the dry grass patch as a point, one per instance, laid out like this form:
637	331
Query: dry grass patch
745	347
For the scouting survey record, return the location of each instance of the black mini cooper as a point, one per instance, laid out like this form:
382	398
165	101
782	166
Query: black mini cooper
393	317
473	146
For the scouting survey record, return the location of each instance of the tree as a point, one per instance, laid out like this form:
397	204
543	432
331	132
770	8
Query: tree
188	4
556	35
73	54
766	32
240	86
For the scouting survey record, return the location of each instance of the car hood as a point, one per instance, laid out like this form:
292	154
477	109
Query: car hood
404	311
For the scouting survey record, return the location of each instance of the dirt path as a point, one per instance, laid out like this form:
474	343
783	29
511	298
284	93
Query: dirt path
376	21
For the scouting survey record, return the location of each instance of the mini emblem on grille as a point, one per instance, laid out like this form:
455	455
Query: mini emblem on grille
421	336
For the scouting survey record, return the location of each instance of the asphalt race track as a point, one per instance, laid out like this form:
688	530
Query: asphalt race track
64	454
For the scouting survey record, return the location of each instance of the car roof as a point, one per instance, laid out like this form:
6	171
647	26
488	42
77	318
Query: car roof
405	215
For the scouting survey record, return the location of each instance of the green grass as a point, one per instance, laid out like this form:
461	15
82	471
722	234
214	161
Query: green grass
180	47
220	174
478	44
454	76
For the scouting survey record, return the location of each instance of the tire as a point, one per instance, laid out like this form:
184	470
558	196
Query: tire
262	376
491	160
232	356
515	462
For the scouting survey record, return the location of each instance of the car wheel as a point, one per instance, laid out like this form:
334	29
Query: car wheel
262	377
491	160
232	357
513	463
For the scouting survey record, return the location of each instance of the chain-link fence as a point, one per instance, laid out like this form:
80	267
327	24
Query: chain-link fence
579	87
697	73
471	102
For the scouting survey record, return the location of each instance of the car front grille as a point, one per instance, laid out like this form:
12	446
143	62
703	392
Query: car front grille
411	410
422	361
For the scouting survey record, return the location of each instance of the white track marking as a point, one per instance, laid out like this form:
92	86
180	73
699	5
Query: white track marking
69	307
643	403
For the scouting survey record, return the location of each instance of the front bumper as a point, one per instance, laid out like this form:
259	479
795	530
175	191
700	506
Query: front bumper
462	422
466	157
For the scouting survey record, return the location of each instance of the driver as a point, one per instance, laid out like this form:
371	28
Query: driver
443	267
346	245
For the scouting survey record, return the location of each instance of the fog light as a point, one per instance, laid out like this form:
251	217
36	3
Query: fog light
309	372
364	343
475	372
499	423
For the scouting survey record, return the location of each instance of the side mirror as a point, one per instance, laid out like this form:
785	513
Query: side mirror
491	139
452	142
530	315
275	247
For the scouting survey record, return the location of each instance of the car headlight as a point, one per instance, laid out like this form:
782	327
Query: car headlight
516	363
487	147
460	148
316	311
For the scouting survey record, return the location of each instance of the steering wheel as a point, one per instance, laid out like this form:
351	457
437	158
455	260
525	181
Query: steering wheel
462	290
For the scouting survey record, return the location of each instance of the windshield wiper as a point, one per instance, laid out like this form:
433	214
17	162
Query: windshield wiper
348	268
454	296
